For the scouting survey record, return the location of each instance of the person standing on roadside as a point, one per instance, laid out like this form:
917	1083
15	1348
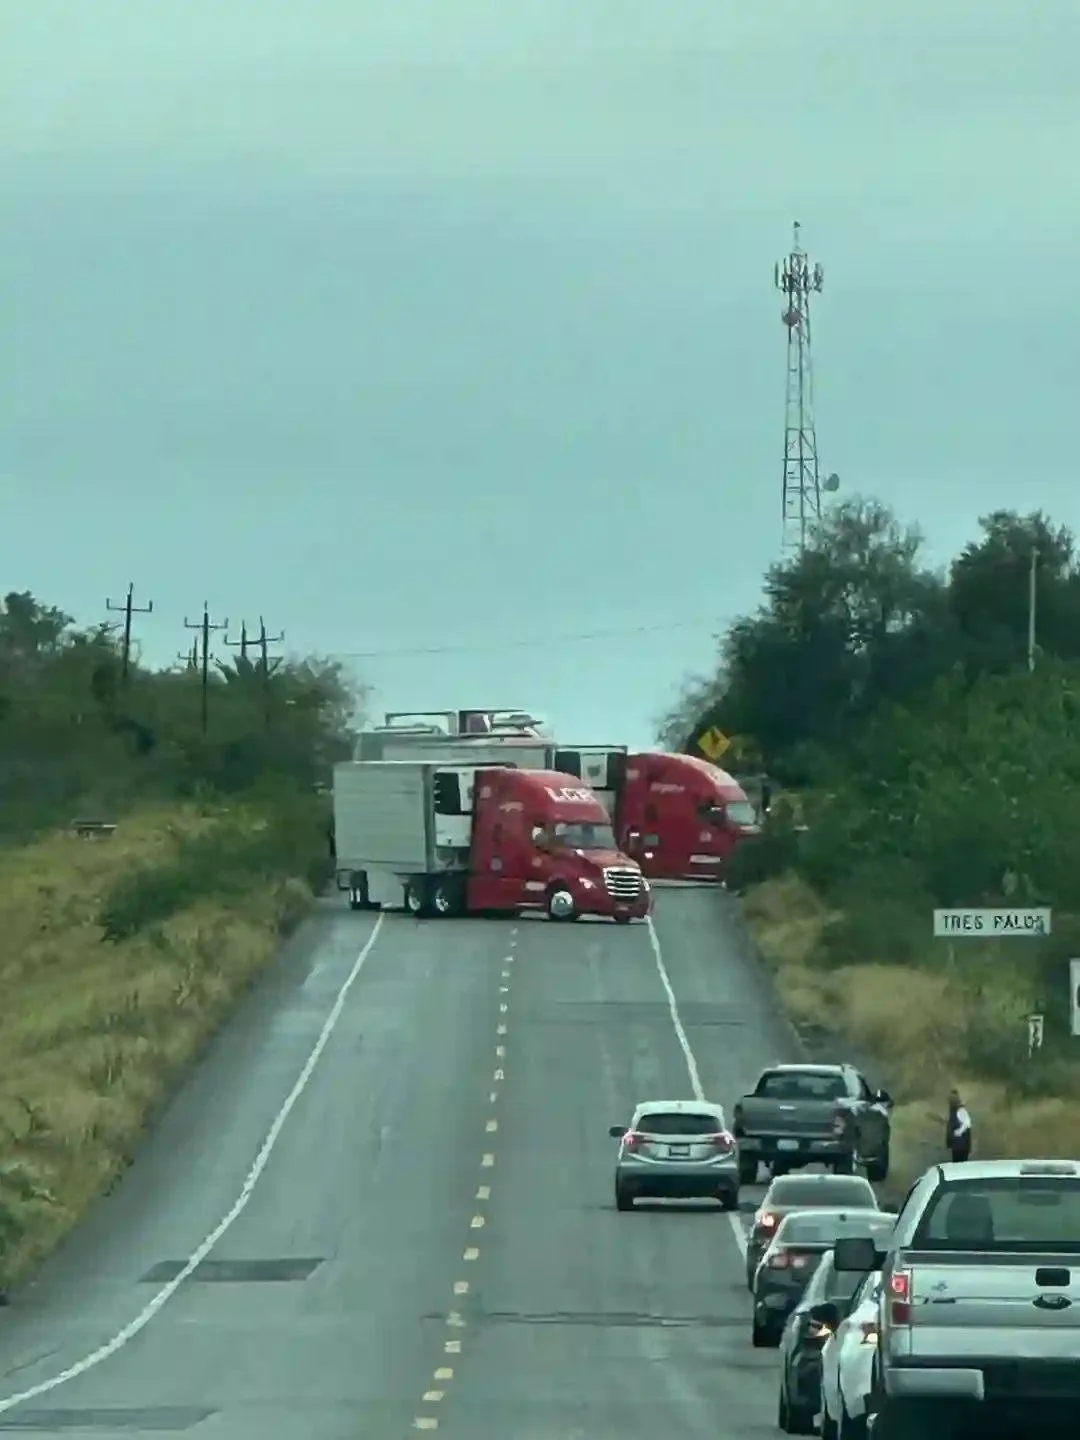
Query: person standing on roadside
958	1128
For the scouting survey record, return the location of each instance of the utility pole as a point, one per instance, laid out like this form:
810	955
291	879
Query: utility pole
189	658
128	609
267	665
243	643
204	625
797	280
1032	575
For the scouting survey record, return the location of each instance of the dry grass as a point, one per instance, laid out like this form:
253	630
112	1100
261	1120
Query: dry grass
914	1025
94	1035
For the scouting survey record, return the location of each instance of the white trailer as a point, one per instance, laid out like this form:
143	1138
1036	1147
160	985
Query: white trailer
390	827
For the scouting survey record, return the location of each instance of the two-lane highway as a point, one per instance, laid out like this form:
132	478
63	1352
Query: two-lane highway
395	1170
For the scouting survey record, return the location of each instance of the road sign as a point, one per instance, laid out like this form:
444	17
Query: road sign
1035	1033
713	743
1074	996
990	924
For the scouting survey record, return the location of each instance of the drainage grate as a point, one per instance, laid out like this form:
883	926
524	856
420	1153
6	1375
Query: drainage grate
156	1418
602	1320
237	1272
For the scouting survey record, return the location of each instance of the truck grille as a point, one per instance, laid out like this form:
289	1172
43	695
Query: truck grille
623	883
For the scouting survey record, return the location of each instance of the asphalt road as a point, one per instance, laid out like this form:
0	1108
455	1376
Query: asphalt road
430	1241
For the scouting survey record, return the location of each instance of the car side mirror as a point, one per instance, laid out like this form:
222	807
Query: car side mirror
856	1255
825	1314
617	1131
883	1098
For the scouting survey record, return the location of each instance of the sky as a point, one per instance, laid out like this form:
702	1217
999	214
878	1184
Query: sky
444	335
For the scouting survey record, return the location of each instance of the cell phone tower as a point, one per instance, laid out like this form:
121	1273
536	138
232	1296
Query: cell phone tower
797	280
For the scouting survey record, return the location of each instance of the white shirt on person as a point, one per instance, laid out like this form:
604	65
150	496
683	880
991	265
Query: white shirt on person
961	1123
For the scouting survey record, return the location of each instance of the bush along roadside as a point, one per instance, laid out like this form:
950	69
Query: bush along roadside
119	961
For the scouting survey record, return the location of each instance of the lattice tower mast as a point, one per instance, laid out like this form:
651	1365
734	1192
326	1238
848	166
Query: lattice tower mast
797	280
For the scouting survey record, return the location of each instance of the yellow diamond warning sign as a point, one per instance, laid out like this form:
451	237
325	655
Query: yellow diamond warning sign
713	743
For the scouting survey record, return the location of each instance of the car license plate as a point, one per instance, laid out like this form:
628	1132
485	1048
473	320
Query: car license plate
679	1152
787	1144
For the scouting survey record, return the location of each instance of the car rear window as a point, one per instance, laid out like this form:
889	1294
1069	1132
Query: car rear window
679	1122
1024	1213
831	1192
825	1227
800	1085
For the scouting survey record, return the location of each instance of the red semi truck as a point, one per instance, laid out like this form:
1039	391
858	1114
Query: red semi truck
678	816
455	839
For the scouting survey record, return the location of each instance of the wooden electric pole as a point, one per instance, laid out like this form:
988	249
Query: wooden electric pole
205	626
128	609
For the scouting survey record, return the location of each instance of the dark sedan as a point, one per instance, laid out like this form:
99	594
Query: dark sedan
801	1343
794	1255
802	1192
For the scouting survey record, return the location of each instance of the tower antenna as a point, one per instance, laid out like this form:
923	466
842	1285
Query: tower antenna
797	279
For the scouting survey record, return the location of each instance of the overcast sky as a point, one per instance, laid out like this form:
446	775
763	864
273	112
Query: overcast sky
449	325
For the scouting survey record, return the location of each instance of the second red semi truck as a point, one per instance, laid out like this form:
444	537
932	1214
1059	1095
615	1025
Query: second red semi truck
679	817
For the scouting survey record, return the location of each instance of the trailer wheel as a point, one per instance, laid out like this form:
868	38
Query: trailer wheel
561	904
417	900
447	899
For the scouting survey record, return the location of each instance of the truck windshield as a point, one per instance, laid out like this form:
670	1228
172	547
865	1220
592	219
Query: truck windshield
1009	1213
583	835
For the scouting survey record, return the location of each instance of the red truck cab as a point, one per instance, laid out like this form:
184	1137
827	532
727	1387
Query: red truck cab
542	841
680	817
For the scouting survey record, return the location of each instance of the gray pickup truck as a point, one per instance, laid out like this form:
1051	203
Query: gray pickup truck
979	1313
800	1115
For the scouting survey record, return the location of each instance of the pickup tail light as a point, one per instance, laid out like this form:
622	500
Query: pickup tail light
633	1140
724	1143
900	1297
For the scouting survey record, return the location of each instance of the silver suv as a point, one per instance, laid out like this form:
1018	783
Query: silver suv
979	1315
676	1149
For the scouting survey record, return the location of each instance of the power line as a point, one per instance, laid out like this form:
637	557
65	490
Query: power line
572	637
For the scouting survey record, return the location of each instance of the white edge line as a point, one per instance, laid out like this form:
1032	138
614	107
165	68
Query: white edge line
140	1322
737	1228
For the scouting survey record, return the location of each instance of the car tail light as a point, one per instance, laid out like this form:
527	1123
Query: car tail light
723	1143
633	1140
900	1297
779	1260
765	1223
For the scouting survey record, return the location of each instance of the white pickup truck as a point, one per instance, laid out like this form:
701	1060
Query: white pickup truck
979	1310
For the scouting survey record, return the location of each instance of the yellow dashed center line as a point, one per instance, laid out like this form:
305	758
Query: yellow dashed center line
488	1161
500	1052
503	1009
425	1422
491	1126
476	1223
500	1030
484	1192
444	1372
499	1075
432	1397
452	1347
461	1287
472	1253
